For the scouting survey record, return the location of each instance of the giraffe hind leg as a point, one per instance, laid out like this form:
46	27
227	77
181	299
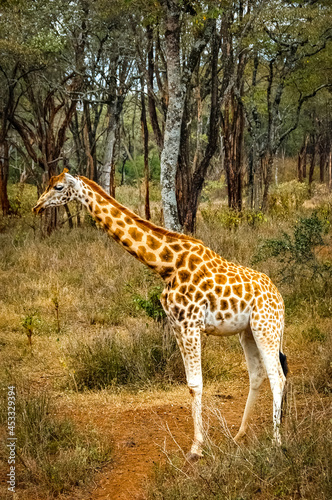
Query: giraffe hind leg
268	341
257	375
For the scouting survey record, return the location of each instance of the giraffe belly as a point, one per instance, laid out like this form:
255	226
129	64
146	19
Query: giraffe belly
230	326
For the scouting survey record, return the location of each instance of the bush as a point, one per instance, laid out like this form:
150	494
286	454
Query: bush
151	305
314	334
111	360
322	373
55	455
148	357
231	219
213	190
296	252
287	197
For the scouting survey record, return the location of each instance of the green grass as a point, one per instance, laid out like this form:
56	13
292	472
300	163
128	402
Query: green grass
146	357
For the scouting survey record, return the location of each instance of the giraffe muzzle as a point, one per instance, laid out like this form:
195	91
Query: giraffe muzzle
38	209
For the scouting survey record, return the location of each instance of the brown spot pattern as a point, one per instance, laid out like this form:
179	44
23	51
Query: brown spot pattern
135	234
152	242
166	255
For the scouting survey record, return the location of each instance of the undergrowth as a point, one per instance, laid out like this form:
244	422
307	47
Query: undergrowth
147	357
52	453
298	252
144	358
301	265
301	468
231	219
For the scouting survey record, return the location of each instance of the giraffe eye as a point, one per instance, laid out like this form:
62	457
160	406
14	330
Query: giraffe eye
58	188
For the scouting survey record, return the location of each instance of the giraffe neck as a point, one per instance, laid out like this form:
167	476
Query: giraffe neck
156	247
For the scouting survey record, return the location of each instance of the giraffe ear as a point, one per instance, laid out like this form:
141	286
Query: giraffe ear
69	178
65	171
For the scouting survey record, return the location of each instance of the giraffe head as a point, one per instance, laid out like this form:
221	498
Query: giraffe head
60	190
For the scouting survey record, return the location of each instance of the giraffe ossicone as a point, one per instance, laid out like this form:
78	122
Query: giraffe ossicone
204	293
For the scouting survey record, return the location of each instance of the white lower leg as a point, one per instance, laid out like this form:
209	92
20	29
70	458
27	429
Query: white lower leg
196	392
252	397
277	391
257	374
189	342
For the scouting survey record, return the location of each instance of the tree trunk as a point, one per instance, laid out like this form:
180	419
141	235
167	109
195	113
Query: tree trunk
123	171
107	173
87	142
184	173
299	167
233	141
151	101
4	171
322	162
304	164
312	166
170	152
267	181
251	178
145	137
69	217
330	170
190	180
302	160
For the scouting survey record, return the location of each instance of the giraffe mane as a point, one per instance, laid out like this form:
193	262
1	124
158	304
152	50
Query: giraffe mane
139	220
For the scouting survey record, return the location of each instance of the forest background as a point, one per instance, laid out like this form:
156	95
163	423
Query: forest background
174	92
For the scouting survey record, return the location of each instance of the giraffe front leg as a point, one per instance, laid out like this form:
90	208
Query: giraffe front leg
189	341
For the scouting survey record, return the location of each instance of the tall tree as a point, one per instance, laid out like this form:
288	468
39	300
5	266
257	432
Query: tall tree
191	175
17	61
285	58
176	96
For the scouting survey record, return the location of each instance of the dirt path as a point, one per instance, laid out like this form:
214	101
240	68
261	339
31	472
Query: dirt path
144	435
140	438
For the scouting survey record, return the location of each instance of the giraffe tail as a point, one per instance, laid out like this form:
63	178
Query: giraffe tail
283	362
284	366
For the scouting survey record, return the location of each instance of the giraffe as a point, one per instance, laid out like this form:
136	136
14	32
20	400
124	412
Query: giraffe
204	293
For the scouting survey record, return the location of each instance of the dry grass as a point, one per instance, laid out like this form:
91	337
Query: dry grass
94	282
53	455
300	469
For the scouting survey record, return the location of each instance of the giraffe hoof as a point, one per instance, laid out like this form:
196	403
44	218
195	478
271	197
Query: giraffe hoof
193	457
239	436
276	441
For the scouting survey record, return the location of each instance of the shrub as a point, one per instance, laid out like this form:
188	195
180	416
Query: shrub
287	197
151	305
150	356
322	373
30	323
296	252
314	334
137	361
213	190
56	456
231	219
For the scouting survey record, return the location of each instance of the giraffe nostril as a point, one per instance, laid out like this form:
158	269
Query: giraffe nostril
37	209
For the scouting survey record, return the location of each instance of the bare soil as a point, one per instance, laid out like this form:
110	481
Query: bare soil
147	433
